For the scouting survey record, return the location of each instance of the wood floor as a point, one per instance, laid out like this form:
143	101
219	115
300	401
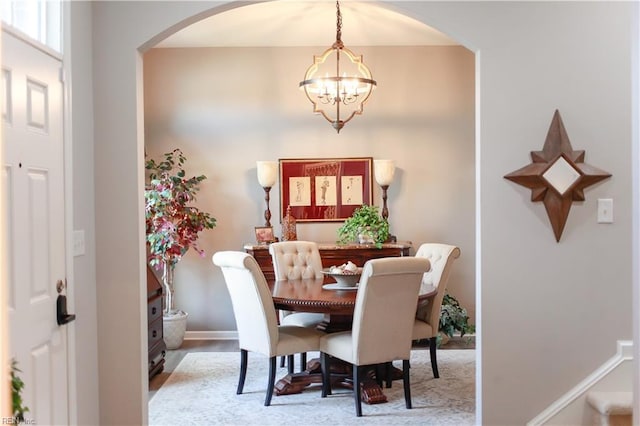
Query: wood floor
174	357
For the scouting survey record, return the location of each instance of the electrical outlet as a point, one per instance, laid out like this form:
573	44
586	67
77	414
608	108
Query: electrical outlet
605	210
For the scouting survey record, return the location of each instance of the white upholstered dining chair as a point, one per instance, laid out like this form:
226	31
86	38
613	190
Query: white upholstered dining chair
382	322
293	260
427	321
258	329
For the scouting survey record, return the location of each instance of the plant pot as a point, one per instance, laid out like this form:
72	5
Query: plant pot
174	326
444	338
367	235
365	239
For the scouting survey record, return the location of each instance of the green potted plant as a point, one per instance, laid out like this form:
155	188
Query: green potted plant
453	319
16	393
172	228
364	226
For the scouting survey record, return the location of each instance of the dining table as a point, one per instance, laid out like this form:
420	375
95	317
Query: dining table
321	295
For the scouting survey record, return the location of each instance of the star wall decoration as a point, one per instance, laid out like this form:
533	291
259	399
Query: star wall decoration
557	175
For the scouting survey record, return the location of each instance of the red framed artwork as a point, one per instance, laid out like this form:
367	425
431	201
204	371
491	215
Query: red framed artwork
324	189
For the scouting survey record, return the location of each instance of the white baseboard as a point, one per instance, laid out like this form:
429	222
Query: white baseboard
211	335
624	353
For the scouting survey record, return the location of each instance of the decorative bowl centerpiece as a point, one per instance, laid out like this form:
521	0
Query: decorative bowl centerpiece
346	275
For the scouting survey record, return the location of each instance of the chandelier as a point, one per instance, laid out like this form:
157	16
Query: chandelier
338	83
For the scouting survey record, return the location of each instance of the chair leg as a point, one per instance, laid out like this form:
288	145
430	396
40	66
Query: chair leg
290	364
405	381
303	361
434	362
272	381
380	373
357	393
243	370
389	373
325	367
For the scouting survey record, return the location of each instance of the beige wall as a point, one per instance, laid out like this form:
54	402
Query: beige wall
228	107
543	323
78	65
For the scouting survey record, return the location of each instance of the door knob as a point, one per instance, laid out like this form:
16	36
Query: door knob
61	311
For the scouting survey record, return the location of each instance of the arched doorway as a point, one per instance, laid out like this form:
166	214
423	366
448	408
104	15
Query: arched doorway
420	139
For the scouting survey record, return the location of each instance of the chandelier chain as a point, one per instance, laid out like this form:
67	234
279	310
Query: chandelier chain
338	22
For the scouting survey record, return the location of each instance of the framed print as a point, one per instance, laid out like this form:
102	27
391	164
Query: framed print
324	189
264	234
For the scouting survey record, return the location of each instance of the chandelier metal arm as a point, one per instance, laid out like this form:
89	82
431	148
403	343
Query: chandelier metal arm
339	91
336	79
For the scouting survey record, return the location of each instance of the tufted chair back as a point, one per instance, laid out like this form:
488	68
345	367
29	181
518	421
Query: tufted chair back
441	257
294	260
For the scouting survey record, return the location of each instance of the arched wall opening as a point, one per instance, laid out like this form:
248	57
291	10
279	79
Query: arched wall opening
218	103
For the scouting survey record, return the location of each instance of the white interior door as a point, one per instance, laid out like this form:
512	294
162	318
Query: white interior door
33	180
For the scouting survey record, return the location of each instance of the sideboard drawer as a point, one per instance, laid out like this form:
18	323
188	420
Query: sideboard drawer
154	308
359	256
155	333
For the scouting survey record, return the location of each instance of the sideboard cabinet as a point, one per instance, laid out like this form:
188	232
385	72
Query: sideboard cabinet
333	254
156	346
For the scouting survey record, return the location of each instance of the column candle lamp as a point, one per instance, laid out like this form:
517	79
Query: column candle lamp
267	175
384	171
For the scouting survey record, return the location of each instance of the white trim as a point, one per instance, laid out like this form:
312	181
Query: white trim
624	353
31	41
72	379
5	394
635	198
478	226
211	335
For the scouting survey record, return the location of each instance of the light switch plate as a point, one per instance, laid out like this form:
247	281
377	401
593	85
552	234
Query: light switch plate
78	242
605	210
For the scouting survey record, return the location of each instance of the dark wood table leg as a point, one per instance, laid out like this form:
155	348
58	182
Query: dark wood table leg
340	377
296	382
341	372
334	323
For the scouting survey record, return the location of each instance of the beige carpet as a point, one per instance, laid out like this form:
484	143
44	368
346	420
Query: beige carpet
201	391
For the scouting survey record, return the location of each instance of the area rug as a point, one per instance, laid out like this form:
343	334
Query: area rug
202	391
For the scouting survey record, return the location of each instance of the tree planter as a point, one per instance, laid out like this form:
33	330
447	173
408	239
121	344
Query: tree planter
174	326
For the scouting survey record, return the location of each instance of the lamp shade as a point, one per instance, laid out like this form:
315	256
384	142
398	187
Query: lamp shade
384	170
267	173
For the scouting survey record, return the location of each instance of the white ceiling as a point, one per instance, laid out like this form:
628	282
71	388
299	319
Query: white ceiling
306	23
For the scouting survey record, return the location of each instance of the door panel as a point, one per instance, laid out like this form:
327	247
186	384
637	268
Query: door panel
33	176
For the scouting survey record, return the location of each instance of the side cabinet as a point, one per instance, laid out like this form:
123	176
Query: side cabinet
333	254
156	346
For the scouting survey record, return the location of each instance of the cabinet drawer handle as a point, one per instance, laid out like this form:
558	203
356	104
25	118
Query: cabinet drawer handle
154	310
154	334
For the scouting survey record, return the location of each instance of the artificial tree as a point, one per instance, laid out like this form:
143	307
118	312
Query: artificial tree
172	224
